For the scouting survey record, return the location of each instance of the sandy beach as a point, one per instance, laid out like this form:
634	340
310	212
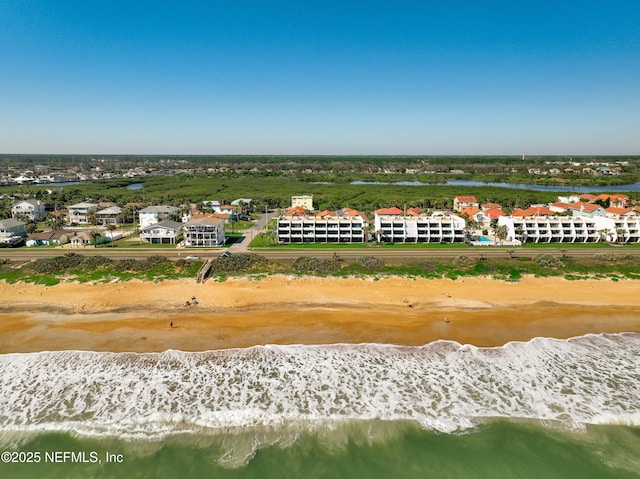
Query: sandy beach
137	316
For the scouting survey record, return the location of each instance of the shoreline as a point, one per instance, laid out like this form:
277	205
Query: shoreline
242	312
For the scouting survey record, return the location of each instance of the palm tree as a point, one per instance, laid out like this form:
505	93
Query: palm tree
30	227
501	232
95	235
55	222
111	228
369	230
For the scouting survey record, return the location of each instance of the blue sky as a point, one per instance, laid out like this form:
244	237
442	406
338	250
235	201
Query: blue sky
326	77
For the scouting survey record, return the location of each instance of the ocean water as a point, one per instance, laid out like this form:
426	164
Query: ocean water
542	409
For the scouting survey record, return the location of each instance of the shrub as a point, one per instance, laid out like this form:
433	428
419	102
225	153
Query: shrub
58	263
237	262
612	257
463	262
370	262
548	261
306	264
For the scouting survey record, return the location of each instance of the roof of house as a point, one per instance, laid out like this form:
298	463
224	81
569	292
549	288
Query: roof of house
467	199
31	202
533	211
83	205
167	224
619	211
246	201
160	209
588	197
587	207
113	210
560	204
296	211
389	211
494	213
342	212
10	223
540	211
207	220
470	211
47	235
414	211
491	206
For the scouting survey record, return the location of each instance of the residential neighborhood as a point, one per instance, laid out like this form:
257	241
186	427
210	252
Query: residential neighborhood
584	218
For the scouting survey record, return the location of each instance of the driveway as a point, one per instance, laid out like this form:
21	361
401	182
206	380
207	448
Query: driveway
249	234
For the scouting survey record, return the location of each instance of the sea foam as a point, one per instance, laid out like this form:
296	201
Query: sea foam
443	386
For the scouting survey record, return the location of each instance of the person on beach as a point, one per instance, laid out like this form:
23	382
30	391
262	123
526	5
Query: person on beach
171	324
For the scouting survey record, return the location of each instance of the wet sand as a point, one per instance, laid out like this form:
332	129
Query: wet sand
136	316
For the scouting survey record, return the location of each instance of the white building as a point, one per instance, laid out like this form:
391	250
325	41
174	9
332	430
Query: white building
343	226
391	226
571	229
154	214
204	232
32	209
304	201
165	232
80	212
11	229
108	216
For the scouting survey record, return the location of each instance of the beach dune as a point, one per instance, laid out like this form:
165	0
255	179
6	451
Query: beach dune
241	312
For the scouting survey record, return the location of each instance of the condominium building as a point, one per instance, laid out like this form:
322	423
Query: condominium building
342	226
204	232
569	229
391	226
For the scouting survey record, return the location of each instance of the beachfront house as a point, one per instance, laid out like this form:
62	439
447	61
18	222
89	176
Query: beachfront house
155	214
32	209
48	238
165	232
342	226
204	232
81	213
81	240
393	227
12	230
108	216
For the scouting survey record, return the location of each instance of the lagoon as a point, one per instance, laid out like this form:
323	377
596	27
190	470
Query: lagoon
517	186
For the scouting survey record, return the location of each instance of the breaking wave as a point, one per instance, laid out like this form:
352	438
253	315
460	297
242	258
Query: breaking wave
443	386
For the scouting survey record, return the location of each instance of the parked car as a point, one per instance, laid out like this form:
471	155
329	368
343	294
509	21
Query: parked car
192	257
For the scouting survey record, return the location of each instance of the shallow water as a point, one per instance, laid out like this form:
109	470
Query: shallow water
545	408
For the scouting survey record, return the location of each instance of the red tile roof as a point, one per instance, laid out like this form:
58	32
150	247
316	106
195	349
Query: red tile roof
491	206
389	211
470	211
540	211
414	211
587	207
533	211
296	211
467	199
494	213
560	204
588	197
618	211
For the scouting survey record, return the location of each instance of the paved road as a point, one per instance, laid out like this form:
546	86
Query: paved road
248	235
26	254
